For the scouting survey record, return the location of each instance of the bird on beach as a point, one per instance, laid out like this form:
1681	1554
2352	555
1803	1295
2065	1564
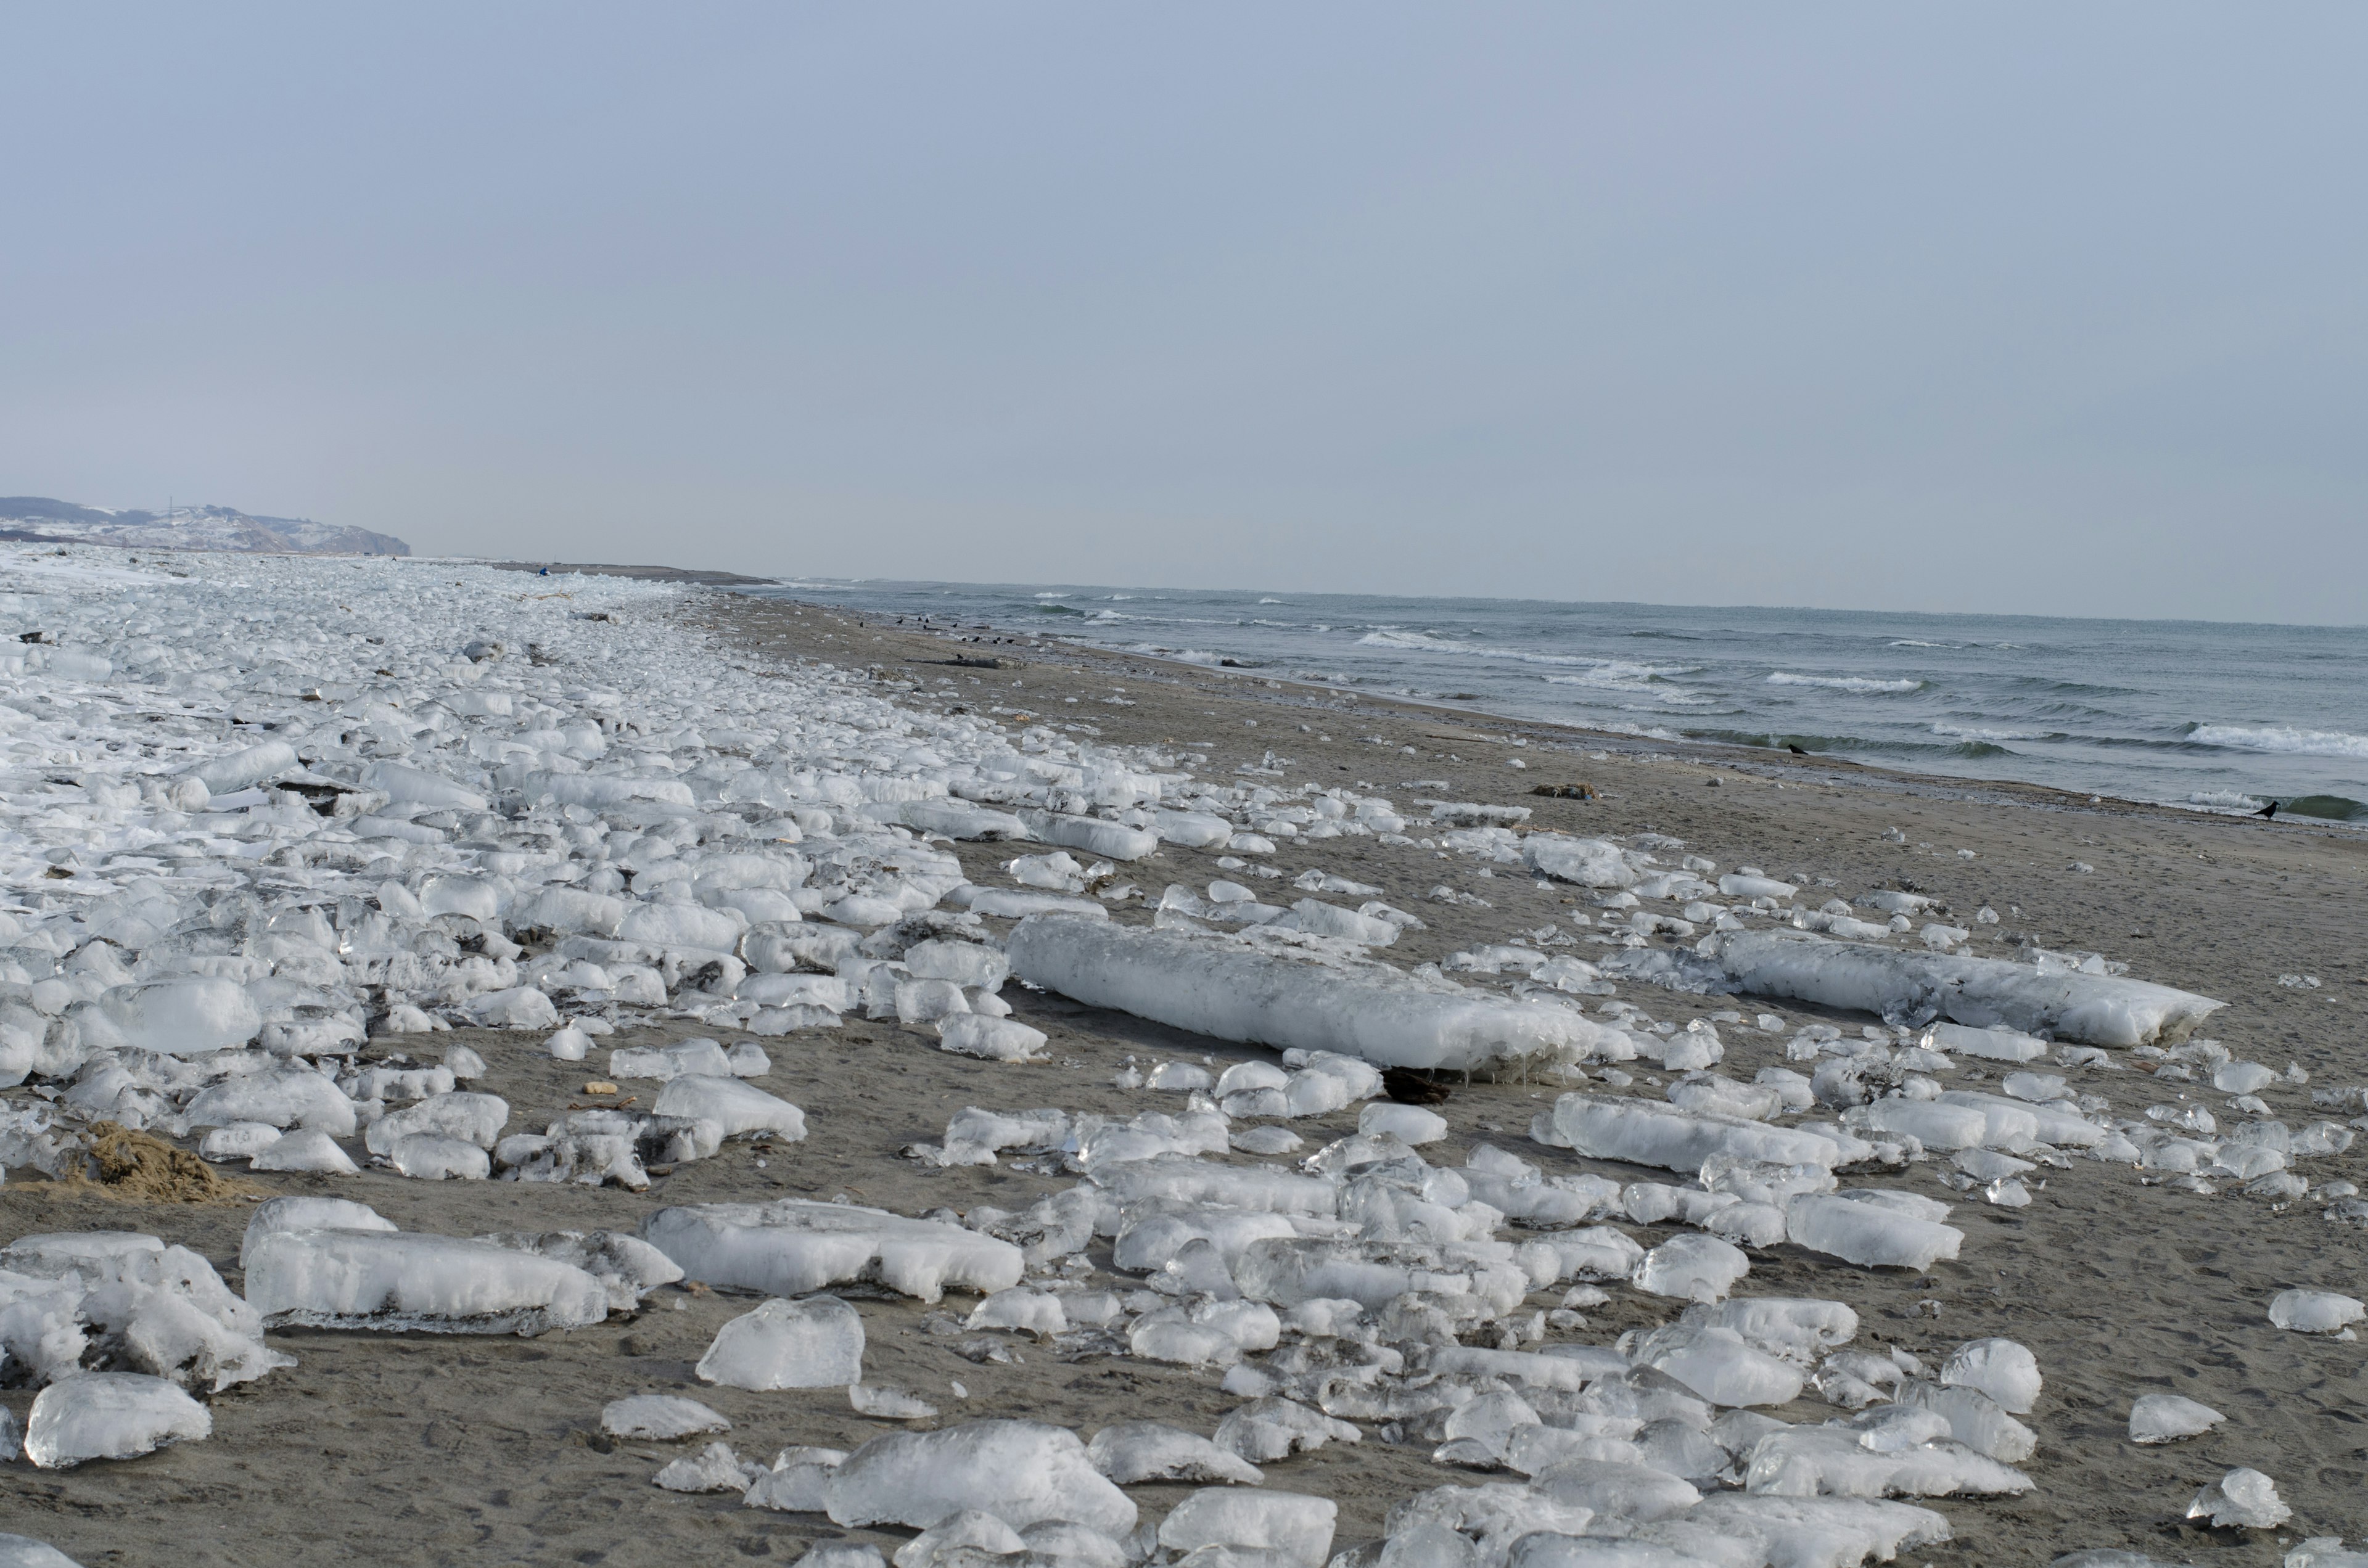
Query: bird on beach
1796	751
2268	812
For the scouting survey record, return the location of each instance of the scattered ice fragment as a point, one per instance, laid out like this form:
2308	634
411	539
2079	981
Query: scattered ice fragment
2314	1312
2167	1417
888	1403
660	1417
810	1344
110	1415
793	1246
1021	1472
714	1468
1290	1530
2242	1499
2001	1369
405	1282
1130	1452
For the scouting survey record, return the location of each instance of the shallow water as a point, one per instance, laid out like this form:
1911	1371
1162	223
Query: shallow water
2208	714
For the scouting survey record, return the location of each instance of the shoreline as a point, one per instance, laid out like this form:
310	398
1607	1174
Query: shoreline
1245	681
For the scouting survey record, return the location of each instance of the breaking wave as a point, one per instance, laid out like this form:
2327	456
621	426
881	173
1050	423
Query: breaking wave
2279	738
1844	683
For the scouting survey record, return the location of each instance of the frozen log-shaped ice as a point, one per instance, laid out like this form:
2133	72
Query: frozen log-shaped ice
405	1282
1644	1134
813	1343
1217	986
792	1246
1021	1472
2096	1009
1869	1234
183	1018
110	1415
1111	840
245	769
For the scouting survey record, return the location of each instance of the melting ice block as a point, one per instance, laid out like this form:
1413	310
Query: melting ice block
813	1343
2072	1005
1234	990
110	1415
405	1282
1021	1472
24	1551
2244	1499
793	1246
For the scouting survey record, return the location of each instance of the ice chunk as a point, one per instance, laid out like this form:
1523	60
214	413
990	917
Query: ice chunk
1820	1532
24	1551
288	1096
308	1214
2314	1312
1130	1452
2167	1417
2072	1005
1231	988
1293	1529
628	1268
739	1108
462	1116
714	1468
1021	1472
1590	862
887	1403
425	1157
1033	1312
2242	1499
1644	1134
110	1415
813	1344
793	1246
994	1039
1973	1418
660	1417
405	1282
1869	1234
960	1539
1408	1124
1990	1045
1616	1490
1716	1363
2001	1369
1692	1268
796	1482
308	1150
669	1062
1809	1462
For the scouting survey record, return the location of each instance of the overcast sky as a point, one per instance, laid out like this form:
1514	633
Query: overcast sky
1999	307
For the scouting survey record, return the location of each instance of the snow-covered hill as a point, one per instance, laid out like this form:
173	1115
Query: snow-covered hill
39	517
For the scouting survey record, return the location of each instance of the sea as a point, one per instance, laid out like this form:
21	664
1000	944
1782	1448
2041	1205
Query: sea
2208	715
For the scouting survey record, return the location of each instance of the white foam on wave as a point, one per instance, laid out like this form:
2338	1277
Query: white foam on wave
1844	683
1425	643
1977	733
2225	800
2283	738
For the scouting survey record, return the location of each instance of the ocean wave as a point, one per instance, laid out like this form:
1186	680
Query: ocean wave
1844	683
1918	643
2282	738
2225	801
1426	643
1274	601
1975	732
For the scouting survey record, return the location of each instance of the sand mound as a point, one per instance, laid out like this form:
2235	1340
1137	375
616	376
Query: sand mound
145	1169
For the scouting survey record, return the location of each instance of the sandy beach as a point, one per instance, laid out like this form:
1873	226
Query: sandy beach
417	1449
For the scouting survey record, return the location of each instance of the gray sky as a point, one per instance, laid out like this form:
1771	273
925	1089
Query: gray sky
2007	307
